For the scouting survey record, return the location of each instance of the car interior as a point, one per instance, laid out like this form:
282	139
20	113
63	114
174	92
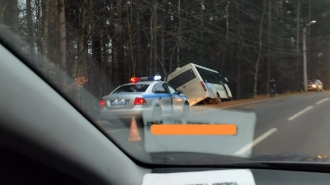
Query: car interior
45	139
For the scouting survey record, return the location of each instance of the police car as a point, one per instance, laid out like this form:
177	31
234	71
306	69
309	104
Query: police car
146	98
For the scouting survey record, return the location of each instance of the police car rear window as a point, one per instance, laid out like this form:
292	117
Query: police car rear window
132	88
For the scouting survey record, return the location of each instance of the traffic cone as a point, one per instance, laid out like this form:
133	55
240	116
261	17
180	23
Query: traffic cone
134	132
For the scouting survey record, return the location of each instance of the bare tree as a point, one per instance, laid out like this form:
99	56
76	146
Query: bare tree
11	14
281	9
227	36
269	43
298	26
130	31
309	54
178	36
162	40
3	7
29	26
138	36
45	24
259	51
82	39
153	39
238	87
62	34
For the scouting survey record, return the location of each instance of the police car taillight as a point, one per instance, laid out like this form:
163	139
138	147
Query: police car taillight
139	101
102	103
134	79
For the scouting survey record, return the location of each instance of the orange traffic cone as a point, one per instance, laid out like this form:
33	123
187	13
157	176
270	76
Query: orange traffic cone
134	132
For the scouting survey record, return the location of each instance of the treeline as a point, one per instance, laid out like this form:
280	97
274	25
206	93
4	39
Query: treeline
101	44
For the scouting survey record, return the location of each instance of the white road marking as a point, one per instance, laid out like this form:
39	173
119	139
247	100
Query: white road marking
255	142
300	113
321	101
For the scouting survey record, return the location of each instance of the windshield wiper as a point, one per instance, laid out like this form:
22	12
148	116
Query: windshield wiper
193	158
296	162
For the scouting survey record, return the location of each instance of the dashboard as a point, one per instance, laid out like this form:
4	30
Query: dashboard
265	176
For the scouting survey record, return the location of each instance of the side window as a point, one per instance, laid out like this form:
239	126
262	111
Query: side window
172	90
209	76
158	88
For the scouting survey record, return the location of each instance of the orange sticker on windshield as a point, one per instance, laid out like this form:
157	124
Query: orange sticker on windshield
214	129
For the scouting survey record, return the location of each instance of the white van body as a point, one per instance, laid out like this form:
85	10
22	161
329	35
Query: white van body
199	83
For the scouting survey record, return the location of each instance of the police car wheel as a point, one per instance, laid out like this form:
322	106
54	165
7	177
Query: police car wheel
185	110
157	114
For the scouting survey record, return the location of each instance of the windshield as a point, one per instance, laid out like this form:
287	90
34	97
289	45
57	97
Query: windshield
209	76
263	53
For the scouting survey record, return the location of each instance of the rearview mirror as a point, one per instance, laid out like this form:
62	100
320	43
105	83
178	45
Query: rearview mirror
226	79
179	91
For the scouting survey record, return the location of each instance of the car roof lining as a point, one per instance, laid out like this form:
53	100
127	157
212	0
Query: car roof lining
37	121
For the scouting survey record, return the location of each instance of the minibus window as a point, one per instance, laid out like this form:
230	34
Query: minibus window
183	78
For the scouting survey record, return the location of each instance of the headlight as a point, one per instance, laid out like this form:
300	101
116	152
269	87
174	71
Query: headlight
314	86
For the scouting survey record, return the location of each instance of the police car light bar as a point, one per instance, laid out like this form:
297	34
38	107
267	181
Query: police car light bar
134	79
150	78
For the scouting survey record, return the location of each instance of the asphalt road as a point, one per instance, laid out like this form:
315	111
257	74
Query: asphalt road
292	124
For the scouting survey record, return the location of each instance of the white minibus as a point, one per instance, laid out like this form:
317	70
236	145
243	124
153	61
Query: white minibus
199	83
